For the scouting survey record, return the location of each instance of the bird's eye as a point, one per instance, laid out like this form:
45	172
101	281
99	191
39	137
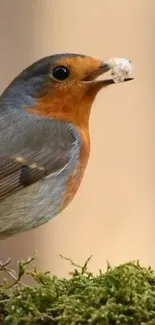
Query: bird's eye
60	73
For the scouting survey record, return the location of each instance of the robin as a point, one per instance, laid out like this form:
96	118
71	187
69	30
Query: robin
44	138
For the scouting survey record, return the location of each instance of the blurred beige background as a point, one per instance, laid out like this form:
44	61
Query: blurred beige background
112	217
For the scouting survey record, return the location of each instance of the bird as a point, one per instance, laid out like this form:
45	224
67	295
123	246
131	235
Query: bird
45	138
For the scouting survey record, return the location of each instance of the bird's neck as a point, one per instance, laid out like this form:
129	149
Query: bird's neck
71	112
71	107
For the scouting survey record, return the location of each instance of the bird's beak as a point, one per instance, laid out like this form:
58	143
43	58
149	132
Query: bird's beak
103	68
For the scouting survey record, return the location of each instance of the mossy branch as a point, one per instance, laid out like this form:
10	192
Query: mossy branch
122	295
83	268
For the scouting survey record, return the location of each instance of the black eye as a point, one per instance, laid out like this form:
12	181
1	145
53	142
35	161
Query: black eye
60	73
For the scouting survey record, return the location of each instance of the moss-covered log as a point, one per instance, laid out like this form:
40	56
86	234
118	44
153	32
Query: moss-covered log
122	295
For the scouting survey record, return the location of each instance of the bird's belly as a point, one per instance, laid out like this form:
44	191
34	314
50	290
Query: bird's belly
32	206
36	204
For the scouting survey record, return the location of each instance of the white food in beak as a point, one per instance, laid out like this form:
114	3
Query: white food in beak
121	69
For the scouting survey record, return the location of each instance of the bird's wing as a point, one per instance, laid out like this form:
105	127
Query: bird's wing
42	147
18	172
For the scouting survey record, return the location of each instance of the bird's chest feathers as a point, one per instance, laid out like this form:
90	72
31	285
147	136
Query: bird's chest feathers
76	177
79	118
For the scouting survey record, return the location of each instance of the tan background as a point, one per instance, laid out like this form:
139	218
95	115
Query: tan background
112	217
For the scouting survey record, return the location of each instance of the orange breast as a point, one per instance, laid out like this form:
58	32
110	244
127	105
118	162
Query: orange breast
76	177
69	109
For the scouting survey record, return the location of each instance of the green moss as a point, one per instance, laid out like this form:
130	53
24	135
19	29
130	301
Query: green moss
121	295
